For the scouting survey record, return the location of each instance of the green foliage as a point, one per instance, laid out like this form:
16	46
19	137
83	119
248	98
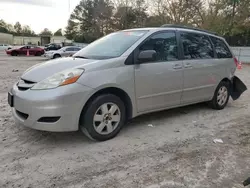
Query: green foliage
46	32
92	19
58	32
18	28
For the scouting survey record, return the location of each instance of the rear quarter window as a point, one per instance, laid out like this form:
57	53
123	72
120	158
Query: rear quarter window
221	48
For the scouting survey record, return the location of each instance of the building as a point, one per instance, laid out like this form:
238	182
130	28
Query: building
38	40
6	38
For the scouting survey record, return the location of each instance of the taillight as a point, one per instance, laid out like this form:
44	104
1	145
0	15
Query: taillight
236	61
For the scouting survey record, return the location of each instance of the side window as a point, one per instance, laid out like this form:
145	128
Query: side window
69	49
164	44
76	49
221	48
196	46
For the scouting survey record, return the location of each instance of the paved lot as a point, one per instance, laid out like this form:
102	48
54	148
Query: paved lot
178	151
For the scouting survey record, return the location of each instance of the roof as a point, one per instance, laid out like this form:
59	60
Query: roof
175	27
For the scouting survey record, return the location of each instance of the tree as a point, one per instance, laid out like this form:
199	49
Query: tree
18	28
46	31
26	31
71	30
58	32
90	20
3	26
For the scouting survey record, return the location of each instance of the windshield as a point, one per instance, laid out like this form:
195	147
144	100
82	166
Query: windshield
112	45
63	48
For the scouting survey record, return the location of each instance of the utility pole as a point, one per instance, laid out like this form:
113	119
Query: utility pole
69	6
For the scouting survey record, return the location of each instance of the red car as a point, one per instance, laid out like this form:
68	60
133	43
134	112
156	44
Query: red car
24	50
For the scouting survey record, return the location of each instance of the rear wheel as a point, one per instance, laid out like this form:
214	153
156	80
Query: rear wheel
56	56
221	96
103	118
38	54
14	53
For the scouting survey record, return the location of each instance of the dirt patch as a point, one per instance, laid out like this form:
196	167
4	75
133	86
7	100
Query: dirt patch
177	151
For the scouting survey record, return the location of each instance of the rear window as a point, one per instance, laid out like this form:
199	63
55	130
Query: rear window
221	48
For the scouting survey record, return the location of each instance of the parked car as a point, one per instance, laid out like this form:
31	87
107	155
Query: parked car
5	47
33	50
52	46
123	75
63	52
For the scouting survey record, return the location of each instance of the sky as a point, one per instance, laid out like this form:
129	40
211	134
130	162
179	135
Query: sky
38	14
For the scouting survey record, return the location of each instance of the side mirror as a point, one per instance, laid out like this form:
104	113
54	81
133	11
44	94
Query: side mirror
146	56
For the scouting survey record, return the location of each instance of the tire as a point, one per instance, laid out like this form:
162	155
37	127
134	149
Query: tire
221	96
103	118
14	53
38	54
56	56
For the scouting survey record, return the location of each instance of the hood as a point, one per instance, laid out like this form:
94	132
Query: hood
44	70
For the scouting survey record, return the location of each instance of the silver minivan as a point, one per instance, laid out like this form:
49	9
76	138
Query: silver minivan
123	75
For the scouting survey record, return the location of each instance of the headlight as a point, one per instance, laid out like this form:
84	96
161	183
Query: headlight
59	79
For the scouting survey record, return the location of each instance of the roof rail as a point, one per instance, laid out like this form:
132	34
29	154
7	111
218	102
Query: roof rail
187	27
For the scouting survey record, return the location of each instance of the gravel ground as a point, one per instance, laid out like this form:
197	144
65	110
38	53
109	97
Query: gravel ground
177	151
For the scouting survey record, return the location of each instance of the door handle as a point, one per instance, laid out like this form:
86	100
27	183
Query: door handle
188	65
177	66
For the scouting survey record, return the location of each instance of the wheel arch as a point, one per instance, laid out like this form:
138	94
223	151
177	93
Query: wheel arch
115	91
57	54
226	80
14	51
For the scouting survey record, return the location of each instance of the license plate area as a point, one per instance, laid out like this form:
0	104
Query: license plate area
10	99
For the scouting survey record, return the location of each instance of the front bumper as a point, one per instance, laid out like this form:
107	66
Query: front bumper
65	102
49	56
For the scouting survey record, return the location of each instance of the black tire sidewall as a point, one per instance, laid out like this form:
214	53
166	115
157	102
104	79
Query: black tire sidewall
87	116
56	56
38	53
214	101
14	53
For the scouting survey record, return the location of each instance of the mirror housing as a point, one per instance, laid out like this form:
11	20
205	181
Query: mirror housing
146	56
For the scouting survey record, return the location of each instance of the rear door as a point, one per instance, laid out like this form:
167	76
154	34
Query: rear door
32	50
201	69
68	51
158	84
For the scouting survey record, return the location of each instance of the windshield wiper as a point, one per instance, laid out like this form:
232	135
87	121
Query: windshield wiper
77	56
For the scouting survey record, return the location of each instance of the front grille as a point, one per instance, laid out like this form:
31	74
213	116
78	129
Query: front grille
25	84
22	115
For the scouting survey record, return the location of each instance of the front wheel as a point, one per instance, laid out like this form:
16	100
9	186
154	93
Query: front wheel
14	53
56	56
103	118
221	96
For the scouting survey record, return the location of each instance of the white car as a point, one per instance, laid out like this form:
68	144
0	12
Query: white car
5	47
63	52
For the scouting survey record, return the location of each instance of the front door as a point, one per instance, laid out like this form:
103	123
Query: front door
23	50
158	83
200	69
